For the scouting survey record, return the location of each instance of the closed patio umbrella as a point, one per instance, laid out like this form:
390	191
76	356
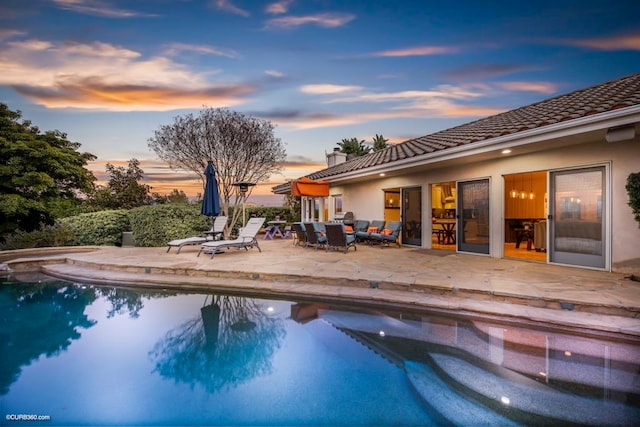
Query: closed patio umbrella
211	198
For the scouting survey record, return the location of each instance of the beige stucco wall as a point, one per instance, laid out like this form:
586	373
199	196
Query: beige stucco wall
365	198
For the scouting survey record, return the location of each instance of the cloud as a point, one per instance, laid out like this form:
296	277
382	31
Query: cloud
621	42
326	20
416	51
444	101
108	77
177	48
163	179
6	33
442	91
539	87
328	89
98	8
278	7
275	73
297	161
227	6
93	93
482	71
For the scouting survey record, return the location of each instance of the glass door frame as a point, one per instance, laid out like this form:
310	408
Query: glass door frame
461	215
602	261
408	204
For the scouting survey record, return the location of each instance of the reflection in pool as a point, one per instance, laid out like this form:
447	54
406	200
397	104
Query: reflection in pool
87	355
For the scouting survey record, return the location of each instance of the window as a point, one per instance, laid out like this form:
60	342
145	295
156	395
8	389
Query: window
335	207
337	204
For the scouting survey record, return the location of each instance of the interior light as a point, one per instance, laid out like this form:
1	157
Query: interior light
567	353
381	333
270	309
505	400
542	374
506	151
382	174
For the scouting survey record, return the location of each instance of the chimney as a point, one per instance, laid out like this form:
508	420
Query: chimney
336	157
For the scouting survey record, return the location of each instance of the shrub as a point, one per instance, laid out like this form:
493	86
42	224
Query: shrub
98	228
158	224
47	235
633	189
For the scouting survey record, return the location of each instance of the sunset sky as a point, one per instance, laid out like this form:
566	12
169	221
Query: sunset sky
110	72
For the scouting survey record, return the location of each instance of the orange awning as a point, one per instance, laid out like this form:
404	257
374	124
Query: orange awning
310	188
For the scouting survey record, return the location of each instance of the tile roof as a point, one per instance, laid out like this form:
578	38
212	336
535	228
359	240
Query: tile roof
620	93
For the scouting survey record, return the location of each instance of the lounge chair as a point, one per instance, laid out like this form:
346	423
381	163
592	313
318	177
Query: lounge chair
315	234
374	227
301	235
217	229
337	238
246	239
387	235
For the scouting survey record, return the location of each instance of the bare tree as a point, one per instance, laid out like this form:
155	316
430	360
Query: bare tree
242	148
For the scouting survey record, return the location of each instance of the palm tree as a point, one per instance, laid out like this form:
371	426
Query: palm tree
353	148
379	142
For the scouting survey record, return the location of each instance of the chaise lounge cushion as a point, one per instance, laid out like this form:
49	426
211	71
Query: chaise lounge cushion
246	239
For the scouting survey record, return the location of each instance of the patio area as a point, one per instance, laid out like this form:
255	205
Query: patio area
589	300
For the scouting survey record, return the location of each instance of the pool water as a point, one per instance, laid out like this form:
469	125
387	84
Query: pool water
76	354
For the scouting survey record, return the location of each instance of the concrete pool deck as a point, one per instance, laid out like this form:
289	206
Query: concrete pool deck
404	277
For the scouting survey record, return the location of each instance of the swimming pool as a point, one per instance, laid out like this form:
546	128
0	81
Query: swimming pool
75	354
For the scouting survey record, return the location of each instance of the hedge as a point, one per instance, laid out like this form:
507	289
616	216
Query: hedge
152	226
98	228
158	224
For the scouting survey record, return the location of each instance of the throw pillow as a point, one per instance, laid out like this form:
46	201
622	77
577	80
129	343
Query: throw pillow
372	229
387	232
348	228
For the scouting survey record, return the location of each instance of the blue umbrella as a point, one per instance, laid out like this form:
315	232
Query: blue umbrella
211	198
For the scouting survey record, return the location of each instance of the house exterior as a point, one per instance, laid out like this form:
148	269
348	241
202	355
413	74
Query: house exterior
548	178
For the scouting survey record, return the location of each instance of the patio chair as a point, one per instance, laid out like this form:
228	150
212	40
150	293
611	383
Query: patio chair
301	235
337	238
374	227
387	235
315	235
246	239
360	225
217	229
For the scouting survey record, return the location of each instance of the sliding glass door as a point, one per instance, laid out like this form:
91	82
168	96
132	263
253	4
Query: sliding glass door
412	216
473	216
578	216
